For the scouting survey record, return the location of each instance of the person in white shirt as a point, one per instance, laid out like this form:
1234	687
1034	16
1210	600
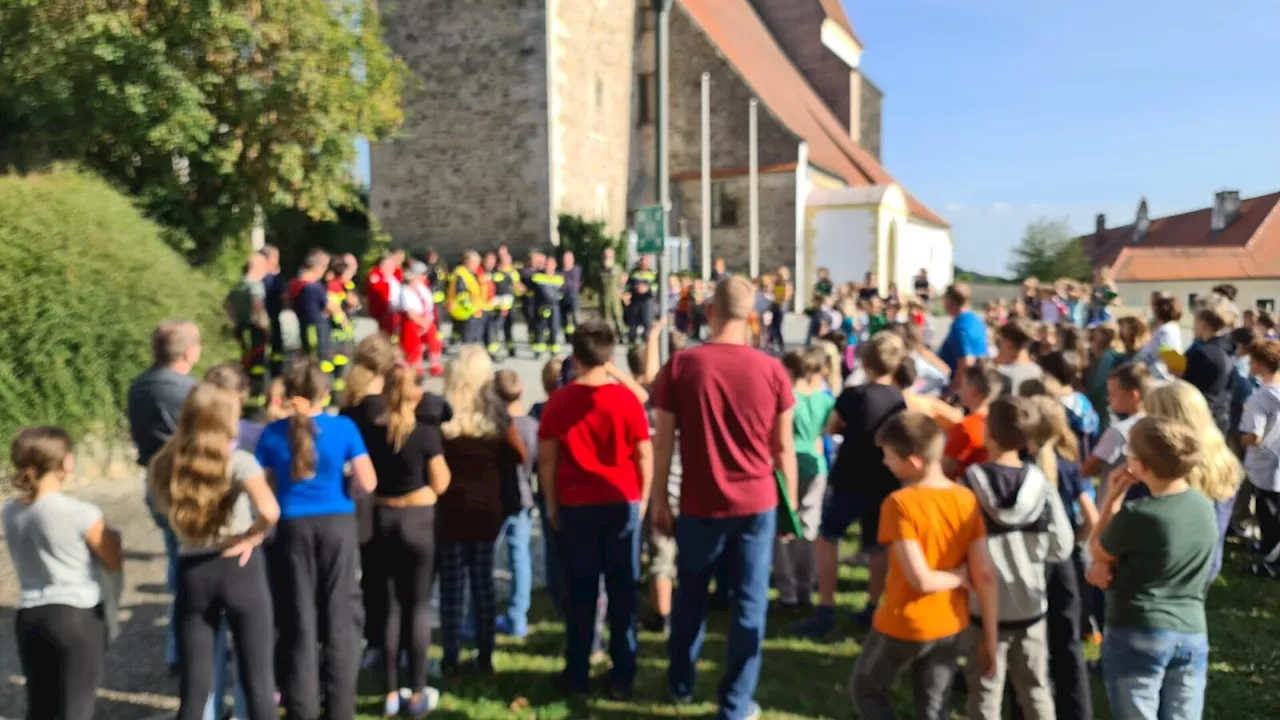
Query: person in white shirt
417	319
1165	335
1260	434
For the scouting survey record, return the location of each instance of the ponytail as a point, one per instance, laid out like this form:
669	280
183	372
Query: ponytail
400	394
307	387
302	446
35	453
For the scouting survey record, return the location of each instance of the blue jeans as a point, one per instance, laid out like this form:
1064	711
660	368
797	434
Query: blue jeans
551	556
601	540
516	533
745	544
1155	674
171	580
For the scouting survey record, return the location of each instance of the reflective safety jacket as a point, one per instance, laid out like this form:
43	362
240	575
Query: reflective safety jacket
464	297
547	290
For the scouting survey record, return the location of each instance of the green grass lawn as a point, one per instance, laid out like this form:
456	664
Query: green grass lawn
802	679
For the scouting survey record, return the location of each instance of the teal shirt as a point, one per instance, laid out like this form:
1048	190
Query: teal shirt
809	423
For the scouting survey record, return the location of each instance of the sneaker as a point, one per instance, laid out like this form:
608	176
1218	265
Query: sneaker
504	626
653	622
391	707
423	703
755	713
484	667
818	625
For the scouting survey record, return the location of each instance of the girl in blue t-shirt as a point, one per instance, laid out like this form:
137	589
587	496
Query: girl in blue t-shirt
315	556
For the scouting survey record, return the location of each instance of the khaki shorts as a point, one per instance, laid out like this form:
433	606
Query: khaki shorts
662	556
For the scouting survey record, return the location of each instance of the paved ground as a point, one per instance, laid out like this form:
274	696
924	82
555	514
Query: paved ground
137	685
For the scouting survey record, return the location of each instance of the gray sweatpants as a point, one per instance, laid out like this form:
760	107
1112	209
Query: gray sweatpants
883	659
795	573
1023	657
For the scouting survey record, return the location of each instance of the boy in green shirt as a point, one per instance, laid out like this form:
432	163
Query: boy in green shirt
1153	557
795	574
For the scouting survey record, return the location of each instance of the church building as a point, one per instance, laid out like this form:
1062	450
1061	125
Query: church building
526	109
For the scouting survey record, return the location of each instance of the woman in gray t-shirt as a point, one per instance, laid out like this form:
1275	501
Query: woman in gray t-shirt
220	508
54	541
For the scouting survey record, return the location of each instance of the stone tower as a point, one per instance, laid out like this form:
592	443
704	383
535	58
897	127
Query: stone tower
520	110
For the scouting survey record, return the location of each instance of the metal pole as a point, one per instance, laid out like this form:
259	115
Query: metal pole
706	176
662	30
755	190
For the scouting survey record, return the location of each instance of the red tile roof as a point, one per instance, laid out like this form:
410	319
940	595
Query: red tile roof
835	11
1184	247
735	28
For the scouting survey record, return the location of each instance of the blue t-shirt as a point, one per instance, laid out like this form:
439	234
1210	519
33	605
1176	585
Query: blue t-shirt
338	442
966	338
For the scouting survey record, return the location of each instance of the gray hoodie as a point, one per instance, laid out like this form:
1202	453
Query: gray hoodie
1027	528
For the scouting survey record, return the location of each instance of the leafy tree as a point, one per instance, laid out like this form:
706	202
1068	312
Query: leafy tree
1048	251
587	241
203	109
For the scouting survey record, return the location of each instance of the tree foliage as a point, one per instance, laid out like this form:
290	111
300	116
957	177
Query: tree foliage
204	109
587	240
1048	251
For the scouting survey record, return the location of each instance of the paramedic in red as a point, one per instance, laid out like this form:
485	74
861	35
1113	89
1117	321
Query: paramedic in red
418	335
383	290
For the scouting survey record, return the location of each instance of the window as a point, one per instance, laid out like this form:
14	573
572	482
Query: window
724	206
1266	305
1192	298
648	100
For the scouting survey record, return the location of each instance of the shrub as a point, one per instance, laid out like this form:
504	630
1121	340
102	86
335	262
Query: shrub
587	241
84	279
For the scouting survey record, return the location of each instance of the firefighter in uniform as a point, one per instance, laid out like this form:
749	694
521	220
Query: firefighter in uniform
492	316
548	286
310	301
500	320
572	274
247	306
437	278
641	287
342	331
465	300
537	261
611	294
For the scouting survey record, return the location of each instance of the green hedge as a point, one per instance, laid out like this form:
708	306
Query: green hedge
84	278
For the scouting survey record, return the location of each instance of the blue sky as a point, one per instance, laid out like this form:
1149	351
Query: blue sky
998	112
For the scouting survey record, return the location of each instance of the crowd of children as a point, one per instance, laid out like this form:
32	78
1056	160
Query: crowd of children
1071	484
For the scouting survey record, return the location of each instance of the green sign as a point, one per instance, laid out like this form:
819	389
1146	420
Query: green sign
650	230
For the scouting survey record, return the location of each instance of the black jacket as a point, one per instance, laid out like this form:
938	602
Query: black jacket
1210	367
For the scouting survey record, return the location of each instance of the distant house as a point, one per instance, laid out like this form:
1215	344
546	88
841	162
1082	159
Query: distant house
1232	241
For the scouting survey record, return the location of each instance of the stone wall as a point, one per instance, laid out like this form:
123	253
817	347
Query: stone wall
592	77
777	221
797	26
692	53
869	111
469	168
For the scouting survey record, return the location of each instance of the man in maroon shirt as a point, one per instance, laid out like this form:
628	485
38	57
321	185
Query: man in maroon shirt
732	406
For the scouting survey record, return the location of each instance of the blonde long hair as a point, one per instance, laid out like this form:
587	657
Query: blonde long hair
401	395
1219	473
190	473
1052	435
468	387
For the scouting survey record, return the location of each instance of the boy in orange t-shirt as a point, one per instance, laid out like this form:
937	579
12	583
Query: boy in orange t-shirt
967	439
938	549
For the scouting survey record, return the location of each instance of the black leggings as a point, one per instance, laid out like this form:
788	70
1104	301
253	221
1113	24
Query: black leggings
405	539
211	588
61	650
314	564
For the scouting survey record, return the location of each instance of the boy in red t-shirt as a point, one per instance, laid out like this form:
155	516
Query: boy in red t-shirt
595	467
967	439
